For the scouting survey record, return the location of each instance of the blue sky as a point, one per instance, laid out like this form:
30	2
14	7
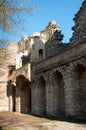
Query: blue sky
62	11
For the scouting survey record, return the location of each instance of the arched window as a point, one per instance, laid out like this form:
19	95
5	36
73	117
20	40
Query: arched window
40	54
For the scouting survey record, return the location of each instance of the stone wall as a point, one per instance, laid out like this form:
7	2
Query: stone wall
2	58
79	34
54	45
19	94
54	83
38	97
3	96
49	30
64	73
11	53
65	90
7	57
22	44
37	50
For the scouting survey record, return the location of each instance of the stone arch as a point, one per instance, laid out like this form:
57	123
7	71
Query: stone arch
80	72
58	97
39	97
23	94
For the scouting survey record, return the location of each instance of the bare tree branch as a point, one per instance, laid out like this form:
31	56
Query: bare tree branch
2	3
7	11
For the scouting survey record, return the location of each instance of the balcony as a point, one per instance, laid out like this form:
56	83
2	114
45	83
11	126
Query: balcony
25	71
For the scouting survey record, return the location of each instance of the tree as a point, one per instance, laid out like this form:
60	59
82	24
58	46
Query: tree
10	10
7	10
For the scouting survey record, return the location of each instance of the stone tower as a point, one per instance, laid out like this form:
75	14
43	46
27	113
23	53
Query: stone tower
53	38
50	29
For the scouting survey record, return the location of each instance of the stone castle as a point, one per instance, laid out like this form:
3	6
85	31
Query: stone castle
42	76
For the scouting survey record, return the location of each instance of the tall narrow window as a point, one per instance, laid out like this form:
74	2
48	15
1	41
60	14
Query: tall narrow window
40	54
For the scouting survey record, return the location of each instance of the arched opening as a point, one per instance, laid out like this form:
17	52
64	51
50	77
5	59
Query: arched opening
81	84
23	94
40	54
59	97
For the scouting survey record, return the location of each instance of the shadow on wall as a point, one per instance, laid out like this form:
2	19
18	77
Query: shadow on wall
19	95
1	128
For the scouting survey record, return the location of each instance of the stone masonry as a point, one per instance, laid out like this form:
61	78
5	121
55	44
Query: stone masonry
7	57
46	77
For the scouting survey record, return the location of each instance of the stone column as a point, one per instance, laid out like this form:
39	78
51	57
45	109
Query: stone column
10	96
72	93
51	97
18	104
37	99
10	103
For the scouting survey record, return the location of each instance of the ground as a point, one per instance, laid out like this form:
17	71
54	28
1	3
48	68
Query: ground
14	121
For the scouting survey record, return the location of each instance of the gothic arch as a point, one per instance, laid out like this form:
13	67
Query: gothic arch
23	94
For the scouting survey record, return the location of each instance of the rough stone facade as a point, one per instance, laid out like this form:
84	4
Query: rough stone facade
7	57
79	35
50	76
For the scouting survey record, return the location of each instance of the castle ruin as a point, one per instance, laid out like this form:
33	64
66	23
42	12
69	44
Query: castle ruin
42	76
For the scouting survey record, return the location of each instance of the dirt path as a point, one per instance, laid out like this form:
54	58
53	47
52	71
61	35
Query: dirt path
8	120
12	121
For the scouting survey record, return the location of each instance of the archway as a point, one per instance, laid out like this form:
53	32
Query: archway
23	94
58	93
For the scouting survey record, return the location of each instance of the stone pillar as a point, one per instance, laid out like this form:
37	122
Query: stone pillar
38	99
51	97
10	103
72	92
83	93
18	105
10	86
